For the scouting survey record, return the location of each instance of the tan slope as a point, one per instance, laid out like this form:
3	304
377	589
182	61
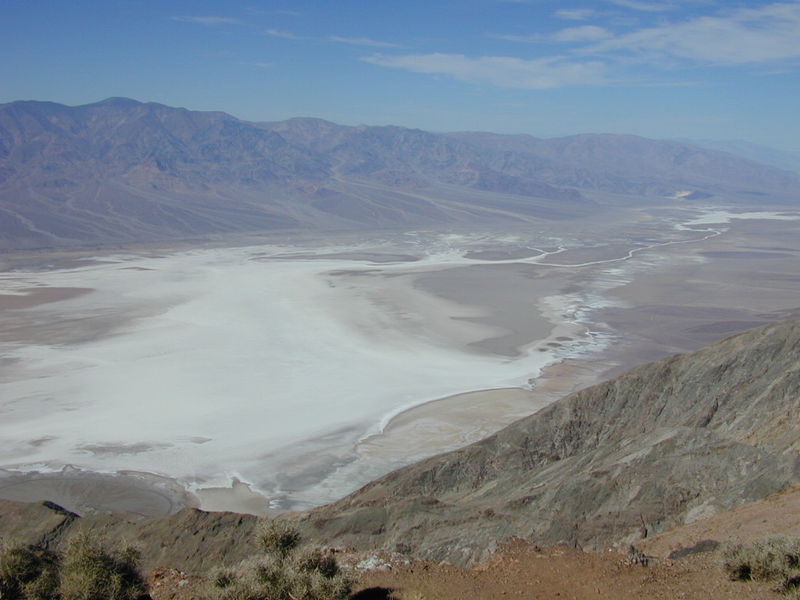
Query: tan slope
559	573
775	515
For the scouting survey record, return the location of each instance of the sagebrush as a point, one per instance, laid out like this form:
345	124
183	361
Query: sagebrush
283	571
85	571
774	560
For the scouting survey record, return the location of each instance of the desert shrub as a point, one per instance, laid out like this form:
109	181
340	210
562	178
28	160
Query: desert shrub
90	572
776	560
278	537
283	572
223	577
85	572
316	560
28	572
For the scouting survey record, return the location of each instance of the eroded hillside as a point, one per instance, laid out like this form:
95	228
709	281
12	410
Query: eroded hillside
666	443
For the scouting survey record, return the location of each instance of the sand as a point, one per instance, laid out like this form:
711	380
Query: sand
461	419
498	293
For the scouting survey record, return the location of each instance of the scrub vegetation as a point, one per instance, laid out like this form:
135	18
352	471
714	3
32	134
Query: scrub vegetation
85	571
774	560
283	571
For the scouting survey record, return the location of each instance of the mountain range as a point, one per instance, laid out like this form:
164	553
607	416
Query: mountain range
121	171
782	159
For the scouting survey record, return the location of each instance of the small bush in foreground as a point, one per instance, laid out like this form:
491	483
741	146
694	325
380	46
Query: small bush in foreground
283	572
89	572
278	538
85	572
774	560
28	572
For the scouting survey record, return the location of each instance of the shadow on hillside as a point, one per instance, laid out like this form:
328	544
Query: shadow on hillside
374	593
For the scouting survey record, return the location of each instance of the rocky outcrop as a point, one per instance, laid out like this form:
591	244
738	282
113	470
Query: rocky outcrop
665	444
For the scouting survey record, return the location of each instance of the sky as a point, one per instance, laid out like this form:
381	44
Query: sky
702	69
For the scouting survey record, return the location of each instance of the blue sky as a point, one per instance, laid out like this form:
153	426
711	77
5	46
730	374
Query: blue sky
658	68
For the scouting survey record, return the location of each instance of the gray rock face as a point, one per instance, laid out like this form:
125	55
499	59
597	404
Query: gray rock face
123	171
667	443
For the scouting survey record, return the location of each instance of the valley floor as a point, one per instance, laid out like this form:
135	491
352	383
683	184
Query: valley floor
283	375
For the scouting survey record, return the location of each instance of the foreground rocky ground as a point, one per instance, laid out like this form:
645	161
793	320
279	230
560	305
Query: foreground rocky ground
565	573
683	562
524	572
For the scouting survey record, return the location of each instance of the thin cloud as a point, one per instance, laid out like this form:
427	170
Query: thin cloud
287	35
208	20
358	41
744	36
575	14
644	6
584	33
510	37
501	71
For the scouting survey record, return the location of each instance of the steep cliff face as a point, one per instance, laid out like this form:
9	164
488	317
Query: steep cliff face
667	443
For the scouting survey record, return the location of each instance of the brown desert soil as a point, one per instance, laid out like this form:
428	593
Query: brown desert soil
775	515
527	573
564	573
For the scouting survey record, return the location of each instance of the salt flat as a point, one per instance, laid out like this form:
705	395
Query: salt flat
199	364
278	364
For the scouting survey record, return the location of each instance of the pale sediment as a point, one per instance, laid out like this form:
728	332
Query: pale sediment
29	297
86	492
367	337
239	497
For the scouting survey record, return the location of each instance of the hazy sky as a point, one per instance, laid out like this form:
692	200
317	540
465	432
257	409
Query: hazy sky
660	68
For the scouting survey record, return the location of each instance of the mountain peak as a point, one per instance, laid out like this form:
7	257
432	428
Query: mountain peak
115	101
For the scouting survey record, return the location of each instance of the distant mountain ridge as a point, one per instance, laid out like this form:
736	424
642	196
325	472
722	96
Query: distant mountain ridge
782	159
123	171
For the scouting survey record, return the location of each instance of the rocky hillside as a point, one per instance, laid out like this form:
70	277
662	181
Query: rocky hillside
190	540
122	171
667	443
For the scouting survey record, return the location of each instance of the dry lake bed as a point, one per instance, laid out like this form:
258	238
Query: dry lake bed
283	374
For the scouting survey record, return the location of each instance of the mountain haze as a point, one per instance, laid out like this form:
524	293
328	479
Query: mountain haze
123	171
782	159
